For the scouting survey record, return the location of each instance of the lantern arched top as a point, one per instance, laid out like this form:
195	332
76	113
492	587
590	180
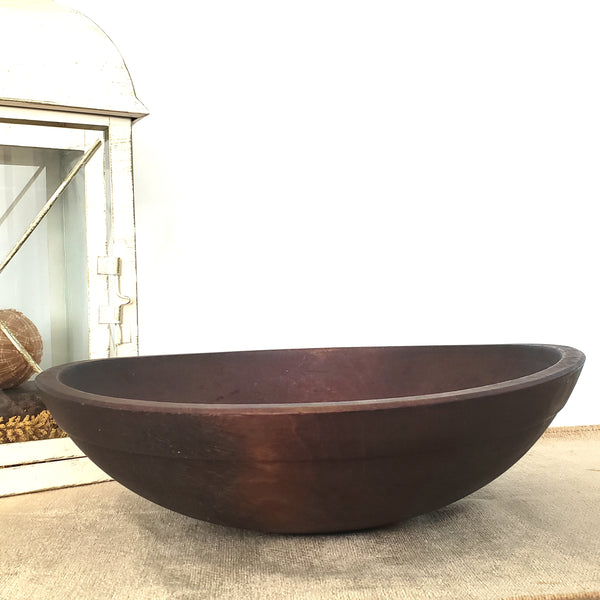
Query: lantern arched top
56	58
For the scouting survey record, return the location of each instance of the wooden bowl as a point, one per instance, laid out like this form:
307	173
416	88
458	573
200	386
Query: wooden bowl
311	441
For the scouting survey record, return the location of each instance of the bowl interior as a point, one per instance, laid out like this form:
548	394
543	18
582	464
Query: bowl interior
313	375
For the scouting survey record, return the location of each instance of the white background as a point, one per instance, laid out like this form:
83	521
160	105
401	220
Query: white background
328	173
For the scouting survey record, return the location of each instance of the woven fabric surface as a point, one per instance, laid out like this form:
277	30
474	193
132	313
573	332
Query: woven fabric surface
534	533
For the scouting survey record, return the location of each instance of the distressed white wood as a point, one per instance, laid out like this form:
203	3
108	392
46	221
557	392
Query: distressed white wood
57	118
122	230
96	188
67	62
24	453
63	138
50	475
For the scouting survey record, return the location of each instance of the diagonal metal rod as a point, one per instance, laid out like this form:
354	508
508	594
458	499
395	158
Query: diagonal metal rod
50	203
21	194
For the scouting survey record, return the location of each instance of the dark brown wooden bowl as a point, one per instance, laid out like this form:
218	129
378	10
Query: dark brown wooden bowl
310	441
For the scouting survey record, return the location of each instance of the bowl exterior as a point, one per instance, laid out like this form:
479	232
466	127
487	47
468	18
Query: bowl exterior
313	471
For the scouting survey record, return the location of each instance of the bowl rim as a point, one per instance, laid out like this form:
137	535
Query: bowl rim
569	360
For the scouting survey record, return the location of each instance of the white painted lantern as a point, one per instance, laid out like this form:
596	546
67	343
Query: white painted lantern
67	236
64	88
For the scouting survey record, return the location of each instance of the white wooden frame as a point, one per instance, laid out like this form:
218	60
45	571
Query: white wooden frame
45	465
48	464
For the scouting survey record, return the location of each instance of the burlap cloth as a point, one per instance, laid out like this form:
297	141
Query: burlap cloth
532	533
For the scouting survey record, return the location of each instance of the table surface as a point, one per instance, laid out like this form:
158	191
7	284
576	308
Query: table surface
532	533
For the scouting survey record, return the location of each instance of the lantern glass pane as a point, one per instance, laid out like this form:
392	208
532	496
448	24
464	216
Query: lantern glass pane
46	280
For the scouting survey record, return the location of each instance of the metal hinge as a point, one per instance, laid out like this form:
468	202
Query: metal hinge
112	313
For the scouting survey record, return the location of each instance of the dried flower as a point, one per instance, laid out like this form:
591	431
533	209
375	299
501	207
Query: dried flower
30	428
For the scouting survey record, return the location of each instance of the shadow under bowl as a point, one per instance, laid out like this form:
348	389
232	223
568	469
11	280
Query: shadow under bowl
312	440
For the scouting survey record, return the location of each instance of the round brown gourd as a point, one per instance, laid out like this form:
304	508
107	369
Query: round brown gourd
14	369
